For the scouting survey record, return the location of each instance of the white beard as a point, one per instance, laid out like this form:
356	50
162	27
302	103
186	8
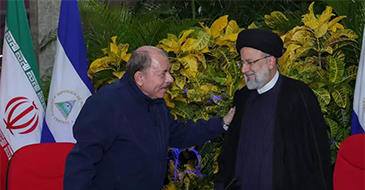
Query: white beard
260	79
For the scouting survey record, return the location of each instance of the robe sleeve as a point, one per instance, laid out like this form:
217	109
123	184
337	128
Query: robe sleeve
318	138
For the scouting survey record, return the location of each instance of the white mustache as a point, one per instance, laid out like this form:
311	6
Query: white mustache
249	74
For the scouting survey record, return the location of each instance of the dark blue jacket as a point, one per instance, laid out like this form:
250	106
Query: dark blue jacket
123	138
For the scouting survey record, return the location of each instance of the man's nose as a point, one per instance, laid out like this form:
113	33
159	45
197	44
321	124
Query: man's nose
170	79
245	68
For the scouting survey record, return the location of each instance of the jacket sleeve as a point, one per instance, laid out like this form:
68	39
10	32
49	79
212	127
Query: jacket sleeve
318	139
183	135
93	132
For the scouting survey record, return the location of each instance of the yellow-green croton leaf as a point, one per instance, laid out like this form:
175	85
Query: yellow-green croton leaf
123	52
225	40
340	96
204	89
126	57
184	35
190	63
113	48
303	36
218	26
205	50
206	29
323	95
252	25
201	59
170	44
188	45
333	127
332	24
175	66
202	40
118	74
325	16
321	30
275	19
99	65
310	19
180	98
168	101
180	81
232	27
336	69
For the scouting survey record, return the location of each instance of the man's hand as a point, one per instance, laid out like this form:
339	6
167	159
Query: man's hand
228	118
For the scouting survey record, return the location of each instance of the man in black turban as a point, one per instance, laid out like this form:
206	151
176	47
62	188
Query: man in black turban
278	138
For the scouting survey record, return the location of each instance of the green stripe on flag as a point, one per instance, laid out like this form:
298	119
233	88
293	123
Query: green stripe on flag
18	38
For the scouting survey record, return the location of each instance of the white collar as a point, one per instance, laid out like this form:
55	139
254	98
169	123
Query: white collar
270	84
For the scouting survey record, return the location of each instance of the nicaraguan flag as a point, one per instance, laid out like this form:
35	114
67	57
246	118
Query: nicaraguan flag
358	114
70	86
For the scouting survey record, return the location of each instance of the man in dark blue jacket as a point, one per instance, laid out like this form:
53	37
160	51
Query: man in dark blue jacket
124	130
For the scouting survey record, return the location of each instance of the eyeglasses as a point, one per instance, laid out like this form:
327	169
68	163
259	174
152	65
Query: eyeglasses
250	63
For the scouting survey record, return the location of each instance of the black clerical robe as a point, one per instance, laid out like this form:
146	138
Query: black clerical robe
301	153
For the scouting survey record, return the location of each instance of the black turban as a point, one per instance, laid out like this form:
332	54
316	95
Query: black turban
260	39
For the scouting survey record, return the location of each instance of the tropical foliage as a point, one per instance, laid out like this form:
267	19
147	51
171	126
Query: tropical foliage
203	63
355	11
101	21
111	67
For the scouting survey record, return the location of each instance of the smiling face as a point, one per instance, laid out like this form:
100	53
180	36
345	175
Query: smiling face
258	68
155	80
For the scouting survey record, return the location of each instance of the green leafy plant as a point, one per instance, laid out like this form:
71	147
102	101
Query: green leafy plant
203	63
111	67
101	21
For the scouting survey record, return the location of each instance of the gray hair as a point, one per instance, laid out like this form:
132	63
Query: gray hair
140	60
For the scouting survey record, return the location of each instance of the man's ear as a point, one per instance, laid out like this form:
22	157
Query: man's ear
138	77
272	62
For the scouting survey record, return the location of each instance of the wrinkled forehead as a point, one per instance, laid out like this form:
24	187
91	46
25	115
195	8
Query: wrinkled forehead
158	66
160	61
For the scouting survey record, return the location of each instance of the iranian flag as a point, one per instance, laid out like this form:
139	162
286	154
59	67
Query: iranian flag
21	99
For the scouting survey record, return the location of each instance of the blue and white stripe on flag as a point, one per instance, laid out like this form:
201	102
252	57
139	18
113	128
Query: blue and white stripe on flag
358	113
70	86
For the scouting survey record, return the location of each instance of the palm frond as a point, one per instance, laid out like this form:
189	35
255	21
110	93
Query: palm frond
100	23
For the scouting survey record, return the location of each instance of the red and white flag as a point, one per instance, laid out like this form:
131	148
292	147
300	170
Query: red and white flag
21	98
